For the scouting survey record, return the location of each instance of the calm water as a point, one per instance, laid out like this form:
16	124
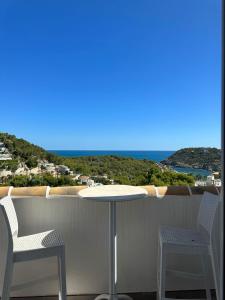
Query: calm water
156	156
193	171
151	155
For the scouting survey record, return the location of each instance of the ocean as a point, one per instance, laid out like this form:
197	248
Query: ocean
156	156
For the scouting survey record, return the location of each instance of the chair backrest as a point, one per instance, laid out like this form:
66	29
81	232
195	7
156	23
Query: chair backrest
206	214
6	246
7	203
208	224
215	249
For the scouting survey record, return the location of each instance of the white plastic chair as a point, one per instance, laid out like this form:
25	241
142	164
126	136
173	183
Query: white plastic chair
190	242
17	249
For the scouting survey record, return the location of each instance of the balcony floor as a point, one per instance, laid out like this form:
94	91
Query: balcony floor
199	294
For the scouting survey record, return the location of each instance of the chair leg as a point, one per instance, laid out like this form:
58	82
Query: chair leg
162	273
206	271
62	274
158	263
7	281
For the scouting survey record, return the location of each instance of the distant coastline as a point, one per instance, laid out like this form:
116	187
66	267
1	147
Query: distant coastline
153	155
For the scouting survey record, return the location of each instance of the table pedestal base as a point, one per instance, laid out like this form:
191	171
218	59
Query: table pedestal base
113	297
112	194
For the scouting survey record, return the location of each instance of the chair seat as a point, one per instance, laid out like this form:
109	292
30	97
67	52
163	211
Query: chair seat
40	241
182	237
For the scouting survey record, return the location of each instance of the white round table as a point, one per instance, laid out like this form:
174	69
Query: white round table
112	194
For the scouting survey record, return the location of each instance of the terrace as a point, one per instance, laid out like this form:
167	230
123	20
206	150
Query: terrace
84	226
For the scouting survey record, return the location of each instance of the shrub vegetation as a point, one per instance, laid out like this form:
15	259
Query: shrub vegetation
122	170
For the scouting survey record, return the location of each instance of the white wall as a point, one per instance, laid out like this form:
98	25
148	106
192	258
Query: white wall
84	226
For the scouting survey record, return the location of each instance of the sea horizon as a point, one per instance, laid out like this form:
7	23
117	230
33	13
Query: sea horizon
154	155
50	150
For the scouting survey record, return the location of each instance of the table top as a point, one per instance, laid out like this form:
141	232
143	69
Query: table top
113	193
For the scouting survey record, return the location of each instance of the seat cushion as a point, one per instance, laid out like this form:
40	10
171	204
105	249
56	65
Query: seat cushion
180	236
42	240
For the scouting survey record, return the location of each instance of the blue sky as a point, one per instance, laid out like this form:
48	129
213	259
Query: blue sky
100	74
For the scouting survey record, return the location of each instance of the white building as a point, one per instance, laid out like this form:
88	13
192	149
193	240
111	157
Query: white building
200	183
49	168
2	149
63	170
5	156
5	173
83	179
210	180
4	152
217	182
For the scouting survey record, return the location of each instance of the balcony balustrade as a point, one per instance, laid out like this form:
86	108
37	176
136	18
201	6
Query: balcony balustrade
84	227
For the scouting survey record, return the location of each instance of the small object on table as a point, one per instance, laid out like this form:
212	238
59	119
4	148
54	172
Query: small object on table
113	194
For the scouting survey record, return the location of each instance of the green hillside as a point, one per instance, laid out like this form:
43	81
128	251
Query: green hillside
127	170
121	170
201	158
23	151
